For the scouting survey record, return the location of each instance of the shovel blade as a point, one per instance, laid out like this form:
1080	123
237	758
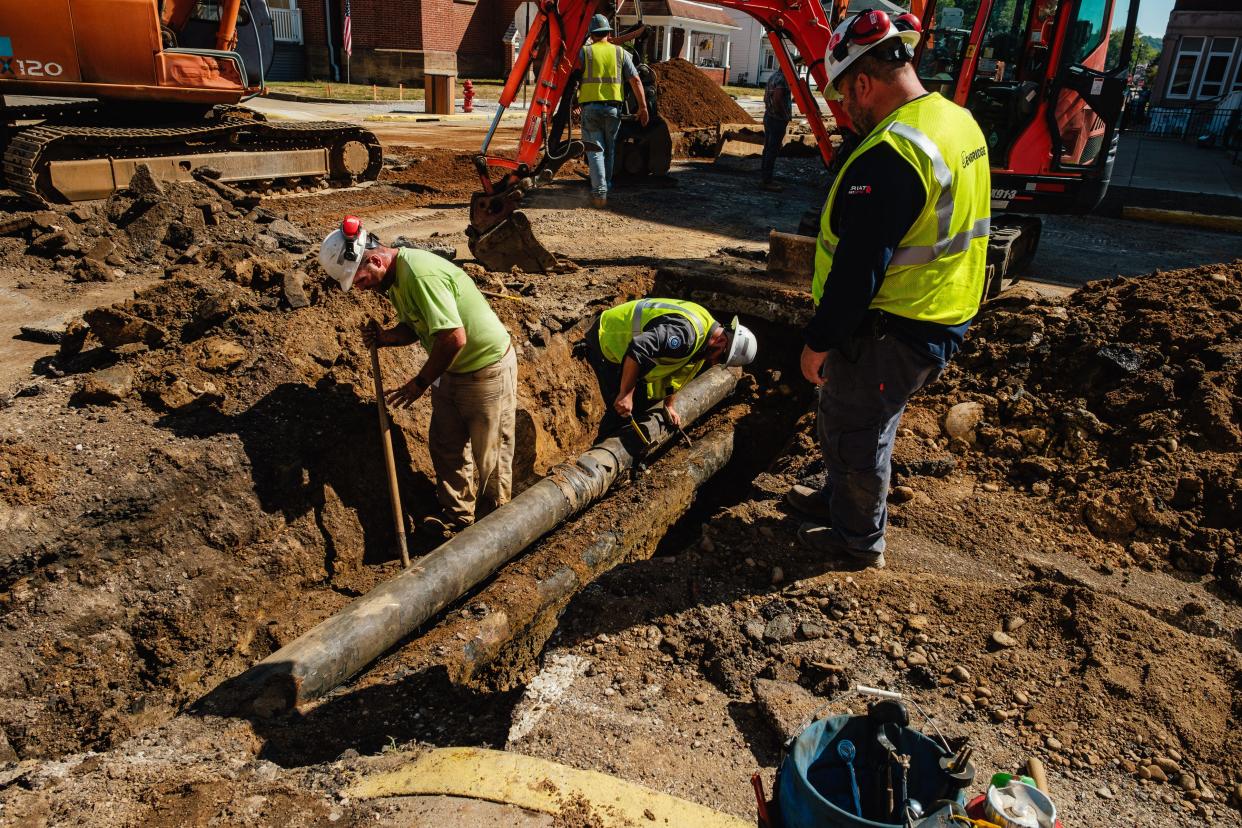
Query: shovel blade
512	244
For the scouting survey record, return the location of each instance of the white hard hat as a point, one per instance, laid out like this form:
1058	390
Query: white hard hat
860	34
344	249
742	344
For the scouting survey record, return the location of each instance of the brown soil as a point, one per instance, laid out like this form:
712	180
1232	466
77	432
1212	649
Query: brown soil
231	495
1120	404
688	98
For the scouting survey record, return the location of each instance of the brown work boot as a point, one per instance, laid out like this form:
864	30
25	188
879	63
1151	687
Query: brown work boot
821	539
808	502
438	527
599	202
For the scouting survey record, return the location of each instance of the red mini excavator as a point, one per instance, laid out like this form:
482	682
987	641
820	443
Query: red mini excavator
1032	72
153	82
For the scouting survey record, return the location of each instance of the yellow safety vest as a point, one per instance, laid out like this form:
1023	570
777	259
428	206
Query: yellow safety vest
601	73
937	272
618	326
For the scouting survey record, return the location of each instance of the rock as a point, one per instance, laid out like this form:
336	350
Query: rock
1167	764
101	249
754	628
106	386
778	575
1003	640
1186	781
289	236
1021	698
962	419
959	673
49	331
180	235
1014	623
901	494
295	290
780	629
93	270
916	660
115	327
220	355
441	249
1143	772
143	184
213	310
811	630
785	705
1104	792
50	242
1156	774
918	623
266	242
179	394
700	698
1052	743
990	487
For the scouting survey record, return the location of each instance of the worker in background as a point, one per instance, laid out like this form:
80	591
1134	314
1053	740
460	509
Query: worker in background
471	370
606	67
646	350
777	112
899	273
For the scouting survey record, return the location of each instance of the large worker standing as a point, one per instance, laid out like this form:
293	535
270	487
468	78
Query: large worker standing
606	68
471	369
899	273
647	349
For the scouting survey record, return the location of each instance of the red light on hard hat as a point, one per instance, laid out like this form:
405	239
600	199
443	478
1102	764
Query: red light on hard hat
351	227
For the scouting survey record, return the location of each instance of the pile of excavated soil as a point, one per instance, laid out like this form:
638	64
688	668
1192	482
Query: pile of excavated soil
1120	403
689	99
433	172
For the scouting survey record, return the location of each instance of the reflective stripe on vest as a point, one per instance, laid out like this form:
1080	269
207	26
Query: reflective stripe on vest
618	327
926	278
601	73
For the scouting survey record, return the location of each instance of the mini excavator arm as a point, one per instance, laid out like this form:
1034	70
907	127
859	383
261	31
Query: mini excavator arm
553	42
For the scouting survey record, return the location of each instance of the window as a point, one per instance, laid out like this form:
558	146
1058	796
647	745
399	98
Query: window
1237	77
1087	33
1188	53
1217	67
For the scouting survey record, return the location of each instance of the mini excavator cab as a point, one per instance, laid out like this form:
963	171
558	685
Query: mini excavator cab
202	52
1039	78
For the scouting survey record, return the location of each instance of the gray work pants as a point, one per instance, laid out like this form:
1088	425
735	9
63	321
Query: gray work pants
860	405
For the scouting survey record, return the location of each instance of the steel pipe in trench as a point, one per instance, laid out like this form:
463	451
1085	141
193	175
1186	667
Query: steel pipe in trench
340	646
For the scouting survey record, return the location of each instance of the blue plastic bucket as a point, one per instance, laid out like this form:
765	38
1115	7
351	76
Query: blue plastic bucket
814	789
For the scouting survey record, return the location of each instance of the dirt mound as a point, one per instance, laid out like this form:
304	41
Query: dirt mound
432	171
1121	404
688	98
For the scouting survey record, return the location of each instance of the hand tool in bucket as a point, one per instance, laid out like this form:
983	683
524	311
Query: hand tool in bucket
891	770
394	494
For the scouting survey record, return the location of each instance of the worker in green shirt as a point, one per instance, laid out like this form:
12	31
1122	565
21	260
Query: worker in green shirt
471	369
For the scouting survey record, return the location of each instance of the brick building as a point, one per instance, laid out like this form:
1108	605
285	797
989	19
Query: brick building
396	41
1201	64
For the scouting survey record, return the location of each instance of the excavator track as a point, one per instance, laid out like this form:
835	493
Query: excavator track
354	153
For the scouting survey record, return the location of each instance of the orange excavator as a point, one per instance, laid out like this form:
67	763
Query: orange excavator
154	82
1032	72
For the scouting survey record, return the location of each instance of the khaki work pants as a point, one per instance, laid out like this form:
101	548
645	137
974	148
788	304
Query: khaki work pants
472	423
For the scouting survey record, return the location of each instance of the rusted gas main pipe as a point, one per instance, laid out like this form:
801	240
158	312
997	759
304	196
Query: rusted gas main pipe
342	645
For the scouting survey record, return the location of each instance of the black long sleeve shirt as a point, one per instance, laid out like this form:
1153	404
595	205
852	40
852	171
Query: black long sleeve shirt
878	200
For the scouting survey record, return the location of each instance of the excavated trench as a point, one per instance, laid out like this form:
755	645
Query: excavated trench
242	531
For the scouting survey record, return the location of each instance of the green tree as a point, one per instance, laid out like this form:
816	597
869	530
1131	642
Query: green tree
1142	52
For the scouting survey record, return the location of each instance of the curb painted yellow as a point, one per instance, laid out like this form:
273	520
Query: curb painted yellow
539	785
1228	223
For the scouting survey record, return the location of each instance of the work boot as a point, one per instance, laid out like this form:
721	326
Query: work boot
820	539
771	187
439	527
808	502
599	202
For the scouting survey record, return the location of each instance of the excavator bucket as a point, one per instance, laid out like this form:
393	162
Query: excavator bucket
510	244
644	151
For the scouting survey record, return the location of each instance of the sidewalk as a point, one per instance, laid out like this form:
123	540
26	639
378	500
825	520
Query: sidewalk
1172	174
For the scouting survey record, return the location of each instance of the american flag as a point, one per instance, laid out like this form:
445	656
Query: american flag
349	33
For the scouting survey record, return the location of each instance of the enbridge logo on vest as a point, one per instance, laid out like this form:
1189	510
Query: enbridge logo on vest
969	158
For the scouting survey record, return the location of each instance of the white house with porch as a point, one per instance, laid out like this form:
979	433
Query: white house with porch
289	62
697	32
